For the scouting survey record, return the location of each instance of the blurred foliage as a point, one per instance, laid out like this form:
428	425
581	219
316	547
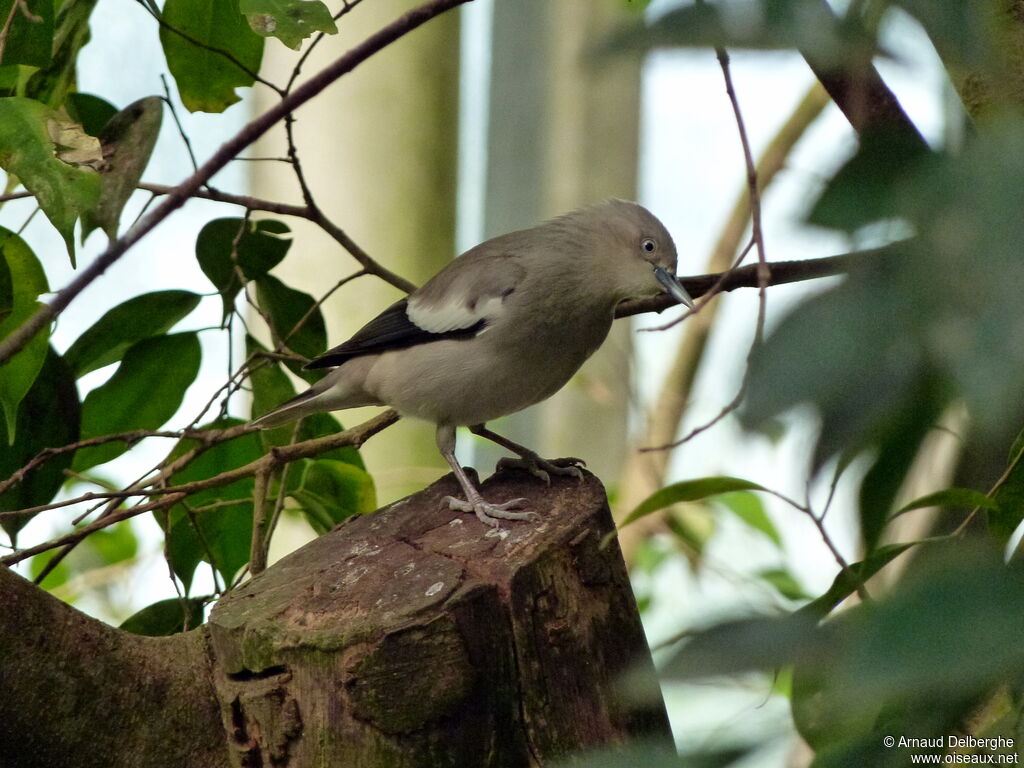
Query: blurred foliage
936	322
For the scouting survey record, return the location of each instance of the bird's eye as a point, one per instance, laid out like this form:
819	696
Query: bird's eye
648	244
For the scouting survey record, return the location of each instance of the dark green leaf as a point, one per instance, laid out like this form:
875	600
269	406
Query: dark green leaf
254	247
210	51
92	112
898	439
693	529
290	21
6	290
128	140
43	151
141	317
220	535
952	497
52	408
961	30
952	628
166	617
852	351
331	491
852	577
1009	512
868	185
30	39
750	509
689	490
748	644
144	392
784	582
51	84
288	307
26	281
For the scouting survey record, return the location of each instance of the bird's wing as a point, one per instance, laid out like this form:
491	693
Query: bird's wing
458	303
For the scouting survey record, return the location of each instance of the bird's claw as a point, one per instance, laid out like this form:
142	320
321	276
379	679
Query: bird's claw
492	514
544	468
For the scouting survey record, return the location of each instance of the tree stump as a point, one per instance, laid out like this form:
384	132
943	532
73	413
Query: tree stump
414	636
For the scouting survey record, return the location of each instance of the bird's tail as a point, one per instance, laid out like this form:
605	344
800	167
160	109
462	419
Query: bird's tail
296	408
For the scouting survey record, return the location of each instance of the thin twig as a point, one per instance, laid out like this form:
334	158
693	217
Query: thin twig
258	549
177	121
354	436
762	272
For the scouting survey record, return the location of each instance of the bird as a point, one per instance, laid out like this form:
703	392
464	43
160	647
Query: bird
501	327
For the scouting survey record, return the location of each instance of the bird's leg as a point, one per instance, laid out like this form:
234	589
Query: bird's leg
529	460
488	513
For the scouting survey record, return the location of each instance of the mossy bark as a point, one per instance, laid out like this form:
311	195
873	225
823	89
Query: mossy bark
411	637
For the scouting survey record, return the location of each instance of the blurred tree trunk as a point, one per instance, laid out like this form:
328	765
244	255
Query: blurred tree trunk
404	638
563	131
379	150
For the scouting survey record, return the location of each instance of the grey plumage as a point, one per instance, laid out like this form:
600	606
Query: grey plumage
503	326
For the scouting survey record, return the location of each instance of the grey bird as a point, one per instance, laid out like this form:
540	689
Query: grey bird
503	326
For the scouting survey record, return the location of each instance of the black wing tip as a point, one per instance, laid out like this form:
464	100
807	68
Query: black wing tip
323	362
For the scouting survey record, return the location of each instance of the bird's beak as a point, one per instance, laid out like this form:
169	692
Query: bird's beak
673	287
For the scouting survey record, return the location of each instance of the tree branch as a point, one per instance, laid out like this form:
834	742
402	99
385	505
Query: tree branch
779	273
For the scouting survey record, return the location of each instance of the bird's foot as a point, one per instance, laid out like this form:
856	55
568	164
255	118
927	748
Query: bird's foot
492	514
544	468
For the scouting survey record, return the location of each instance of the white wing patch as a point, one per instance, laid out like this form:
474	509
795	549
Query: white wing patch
453	315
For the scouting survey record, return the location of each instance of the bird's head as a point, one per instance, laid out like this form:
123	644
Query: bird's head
635	250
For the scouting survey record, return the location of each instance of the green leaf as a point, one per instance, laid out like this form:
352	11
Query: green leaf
869	184
951	629
286	308
34	143
6	290
221	535
141	317
51	84
952	497
746	644
784	582
331	491
750	509
52	408
91	111
210	51
689	490
898	439
290	21
114	544
128	140
852	577
1007	516
145	391
25	280
255	247
166	617
30	39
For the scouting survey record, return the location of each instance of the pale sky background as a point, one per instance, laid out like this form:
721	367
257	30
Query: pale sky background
691	169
